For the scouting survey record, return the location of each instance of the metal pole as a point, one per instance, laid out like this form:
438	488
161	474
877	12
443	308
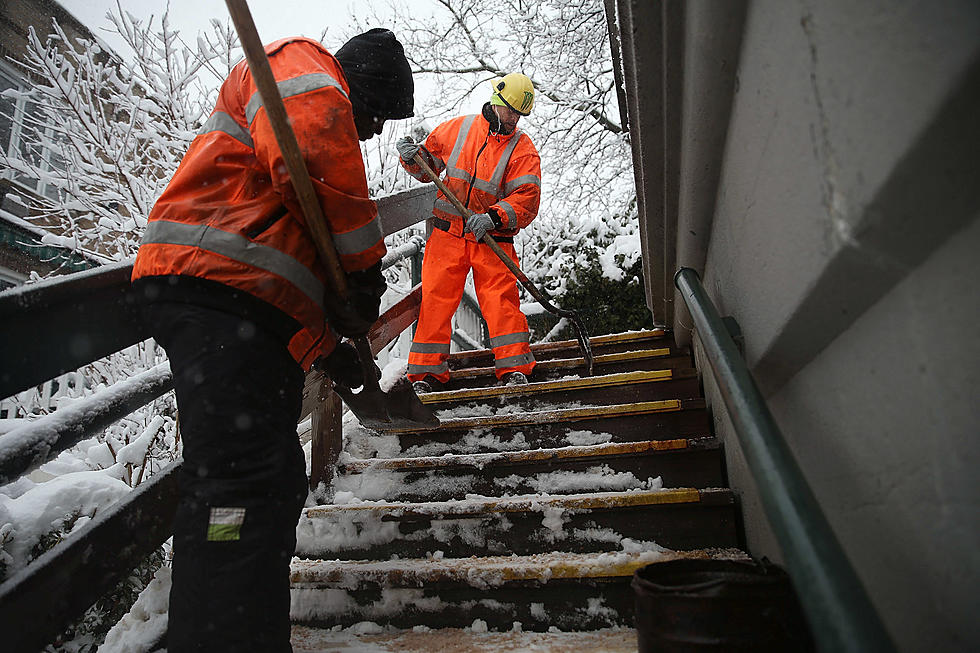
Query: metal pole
840	614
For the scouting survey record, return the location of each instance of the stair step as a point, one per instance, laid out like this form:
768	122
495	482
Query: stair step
629	361
610	466
678	518
553	416
580	591
307	639
648	420
607	344
625	387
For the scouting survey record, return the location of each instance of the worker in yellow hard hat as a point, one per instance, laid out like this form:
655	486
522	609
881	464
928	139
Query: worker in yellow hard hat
493	168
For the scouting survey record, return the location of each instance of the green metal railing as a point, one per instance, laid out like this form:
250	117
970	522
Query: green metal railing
838	609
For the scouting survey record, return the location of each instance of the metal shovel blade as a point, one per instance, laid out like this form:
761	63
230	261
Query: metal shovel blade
400	407
583	341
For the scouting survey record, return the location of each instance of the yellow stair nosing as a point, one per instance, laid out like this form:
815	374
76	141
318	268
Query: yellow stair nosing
611	338
488	571
547	416
480	460
563	363
526	503
535	387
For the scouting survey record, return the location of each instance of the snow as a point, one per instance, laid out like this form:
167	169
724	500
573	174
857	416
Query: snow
306	639
39	436
146	622
51	506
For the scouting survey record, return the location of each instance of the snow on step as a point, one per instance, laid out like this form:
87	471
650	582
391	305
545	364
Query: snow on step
481	460
543	387
369	637
489	571
566	590
548	416
600	468
487	526
555	365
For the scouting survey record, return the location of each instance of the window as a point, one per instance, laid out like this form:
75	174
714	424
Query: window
13	143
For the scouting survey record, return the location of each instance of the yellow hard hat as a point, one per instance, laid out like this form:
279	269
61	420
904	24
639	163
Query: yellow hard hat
515	91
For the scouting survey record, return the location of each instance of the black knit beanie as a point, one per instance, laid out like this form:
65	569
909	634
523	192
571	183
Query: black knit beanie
378	74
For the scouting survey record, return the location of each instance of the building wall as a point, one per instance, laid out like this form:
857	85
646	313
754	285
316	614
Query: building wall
21	251
844	241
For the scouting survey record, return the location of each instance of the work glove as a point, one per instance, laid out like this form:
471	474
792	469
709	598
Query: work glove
354	317
407	148
479	224
343	365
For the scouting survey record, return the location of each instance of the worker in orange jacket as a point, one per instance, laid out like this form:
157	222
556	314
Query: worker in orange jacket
236	294
493	168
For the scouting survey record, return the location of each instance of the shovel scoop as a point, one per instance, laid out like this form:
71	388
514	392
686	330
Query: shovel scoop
374	408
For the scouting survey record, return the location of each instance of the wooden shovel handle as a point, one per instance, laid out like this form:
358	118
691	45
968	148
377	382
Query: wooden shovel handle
299	176
258	65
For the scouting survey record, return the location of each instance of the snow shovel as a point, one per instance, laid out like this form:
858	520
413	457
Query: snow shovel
400	406
580	333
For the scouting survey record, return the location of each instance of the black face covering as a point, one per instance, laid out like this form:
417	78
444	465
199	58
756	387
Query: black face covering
379	75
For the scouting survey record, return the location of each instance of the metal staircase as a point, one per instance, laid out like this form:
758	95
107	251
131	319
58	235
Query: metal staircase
532	504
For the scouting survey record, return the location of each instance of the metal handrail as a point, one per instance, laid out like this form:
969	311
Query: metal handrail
838	609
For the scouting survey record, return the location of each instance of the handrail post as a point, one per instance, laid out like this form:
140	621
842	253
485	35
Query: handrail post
327	429
838	609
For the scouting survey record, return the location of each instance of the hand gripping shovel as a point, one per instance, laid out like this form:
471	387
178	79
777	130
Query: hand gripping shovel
400	406
580	333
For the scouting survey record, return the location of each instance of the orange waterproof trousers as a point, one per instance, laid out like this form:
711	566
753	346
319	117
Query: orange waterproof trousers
447	261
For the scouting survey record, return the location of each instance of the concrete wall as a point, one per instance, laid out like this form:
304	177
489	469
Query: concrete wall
846	242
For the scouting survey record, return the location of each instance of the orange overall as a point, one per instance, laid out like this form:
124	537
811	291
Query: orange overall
489	173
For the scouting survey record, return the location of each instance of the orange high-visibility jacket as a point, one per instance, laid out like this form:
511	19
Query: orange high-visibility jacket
221	217
485	172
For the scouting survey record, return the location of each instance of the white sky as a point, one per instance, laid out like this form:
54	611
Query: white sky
274	19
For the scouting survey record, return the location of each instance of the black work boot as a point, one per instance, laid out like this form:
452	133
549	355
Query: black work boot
428	384
513	378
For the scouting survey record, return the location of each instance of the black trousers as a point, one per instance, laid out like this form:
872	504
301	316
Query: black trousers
243	482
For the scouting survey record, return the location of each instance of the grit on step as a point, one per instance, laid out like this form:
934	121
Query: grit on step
551	427
306	639
649	465
570	591
630	361
607	344
681	518
622	388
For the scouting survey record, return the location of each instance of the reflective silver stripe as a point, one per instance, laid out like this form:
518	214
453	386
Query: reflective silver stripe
464	130
460	174
444	205
291	87
430	348
237	248
511	214
222	122
487	187
514	361
510	339
428	369
498	173
493	185
512	185
360	239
